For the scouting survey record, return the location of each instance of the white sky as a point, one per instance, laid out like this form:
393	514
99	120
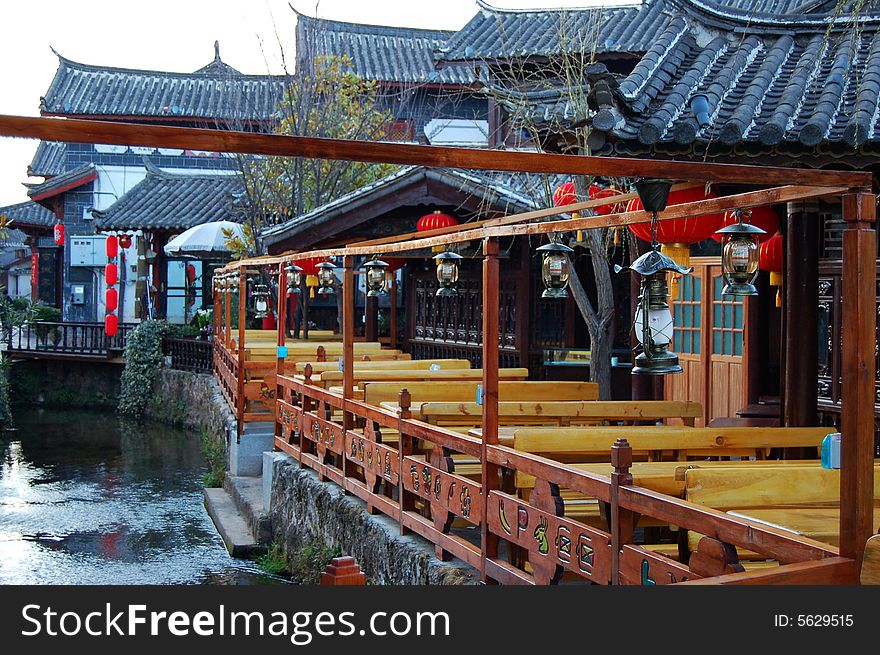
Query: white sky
177	35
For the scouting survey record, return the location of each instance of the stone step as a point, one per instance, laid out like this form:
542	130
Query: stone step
247	494
231	524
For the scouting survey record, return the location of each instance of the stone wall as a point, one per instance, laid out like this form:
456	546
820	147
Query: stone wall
60	383
191	400
303	509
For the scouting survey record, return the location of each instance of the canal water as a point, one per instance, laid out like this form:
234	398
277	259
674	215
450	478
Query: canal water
88	499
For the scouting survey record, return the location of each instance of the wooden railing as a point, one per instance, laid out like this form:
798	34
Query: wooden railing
226	370
65	339
189	354
405	469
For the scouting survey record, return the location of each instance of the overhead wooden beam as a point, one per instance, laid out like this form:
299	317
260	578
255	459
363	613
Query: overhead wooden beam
133	134
710	206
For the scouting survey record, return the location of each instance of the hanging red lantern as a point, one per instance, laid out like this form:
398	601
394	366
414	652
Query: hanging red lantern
764	217
111	244
770	259
435	221
111	299
111	324
309	266
124	241
678	234
58	234
565	194
597	192
394	263
111	274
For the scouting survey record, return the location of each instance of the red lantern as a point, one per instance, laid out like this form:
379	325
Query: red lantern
112	246
596	192
394	263
435	221
111	299
309	266
111	274
565	194
763	217
678	234
124	241
111	324
770	259
58	233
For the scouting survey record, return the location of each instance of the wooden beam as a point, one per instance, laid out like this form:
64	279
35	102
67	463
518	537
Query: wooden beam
132	134
858	341
711	206
490	472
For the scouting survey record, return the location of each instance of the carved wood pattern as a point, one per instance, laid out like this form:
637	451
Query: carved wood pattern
642	567
461	496
378	460
572	545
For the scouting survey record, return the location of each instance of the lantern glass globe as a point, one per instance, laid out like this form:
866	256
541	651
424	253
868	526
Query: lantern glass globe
659	324
739	259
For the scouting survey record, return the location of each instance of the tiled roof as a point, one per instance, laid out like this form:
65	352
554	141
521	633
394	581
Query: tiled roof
170	201
379	53
216	91
49	159
804	86
506	192
14	239
497	34
28	214
68	180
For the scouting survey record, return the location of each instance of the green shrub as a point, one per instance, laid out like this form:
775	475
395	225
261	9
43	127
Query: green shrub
274	561
5	410
143	359
306	564
214	451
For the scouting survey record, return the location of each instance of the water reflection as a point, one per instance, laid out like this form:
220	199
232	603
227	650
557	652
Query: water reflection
88	499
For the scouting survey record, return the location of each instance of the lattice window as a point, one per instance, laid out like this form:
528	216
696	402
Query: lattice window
688	316
727	321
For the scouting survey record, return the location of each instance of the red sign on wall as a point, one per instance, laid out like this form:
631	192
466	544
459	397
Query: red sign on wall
35	274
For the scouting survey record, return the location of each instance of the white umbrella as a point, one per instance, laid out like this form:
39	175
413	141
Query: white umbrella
205	241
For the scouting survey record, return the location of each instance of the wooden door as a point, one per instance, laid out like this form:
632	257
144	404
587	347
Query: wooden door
708	339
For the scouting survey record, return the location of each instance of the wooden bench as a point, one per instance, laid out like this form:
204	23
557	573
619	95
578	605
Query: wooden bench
394	365
376	393
561	412
801	499
362	377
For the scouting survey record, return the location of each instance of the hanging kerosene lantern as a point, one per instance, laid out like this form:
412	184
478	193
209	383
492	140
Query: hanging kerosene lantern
739	256
555	268
233	282
653	325
375	277
448	263
326	278
260	295
294	278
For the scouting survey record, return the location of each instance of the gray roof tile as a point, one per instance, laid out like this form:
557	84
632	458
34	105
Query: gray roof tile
494	34
169	201
28	214
216	91
49	159
379	53
68	180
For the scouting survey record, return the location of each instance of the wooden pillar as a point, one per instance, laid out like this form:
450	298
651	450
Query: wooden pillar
371	316
523	302
801	314
858	332
242	322
347	327
490	477
227	320
282	338
305	300
392	323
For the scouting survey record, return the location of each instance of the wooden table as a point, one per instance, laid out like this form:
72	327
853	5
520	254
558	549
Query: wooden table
819	523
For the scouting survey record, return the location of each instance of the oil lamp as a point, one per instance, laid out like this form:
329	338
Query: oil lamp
739	256
555	268
447	272
375	277
326	278
294	277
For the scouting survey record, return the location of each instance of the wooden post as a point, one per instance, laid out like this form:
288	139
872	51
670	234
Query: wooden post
621	520
227	321
347	346
858	329
490	477
392	323
305	301
371	318
282	337
242	321
404	448
801	314
343	571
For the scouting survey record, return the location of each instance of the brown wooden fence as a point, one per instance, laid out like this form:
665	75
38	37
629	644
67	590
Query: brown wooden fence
189	354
